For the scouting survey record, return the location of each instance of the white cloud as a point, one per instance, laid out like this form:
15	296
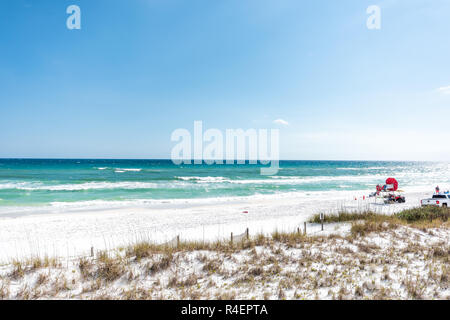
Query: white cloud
444	90
281	122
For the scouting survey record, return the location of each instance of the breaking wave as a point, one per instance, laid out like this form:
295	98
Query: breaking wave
80	186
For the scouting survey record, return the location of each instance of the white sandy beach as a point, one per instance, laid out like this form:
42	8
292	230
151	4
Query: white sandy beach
66	233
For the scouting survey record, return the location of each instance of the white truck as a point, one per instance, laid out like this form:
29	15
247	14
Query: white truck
438	200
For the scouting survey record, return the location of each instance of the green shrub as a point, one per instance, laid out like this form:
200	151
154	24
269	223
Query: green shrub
343	216
424	213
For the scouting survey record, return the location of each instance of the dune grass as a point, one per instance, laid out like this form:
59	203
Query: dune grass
424	214
414	215
257	261
344	216
109	267
367	221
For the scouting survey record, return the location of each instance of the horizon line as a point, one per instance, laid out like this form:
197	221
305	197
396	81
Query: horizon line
224	160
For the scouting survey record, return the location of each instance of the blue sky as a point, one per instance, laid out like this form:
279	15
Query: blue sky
139	69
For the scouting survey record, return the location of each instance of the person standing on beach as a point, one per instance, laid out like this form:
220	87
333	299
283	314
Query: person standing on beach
437	190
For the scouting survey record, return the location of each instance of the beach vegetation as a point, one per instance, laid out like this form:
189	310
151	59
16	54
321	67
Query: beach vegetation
375	255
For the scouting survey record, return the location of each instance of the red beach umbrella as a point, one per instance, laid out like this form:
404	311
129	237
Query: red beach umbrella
392	184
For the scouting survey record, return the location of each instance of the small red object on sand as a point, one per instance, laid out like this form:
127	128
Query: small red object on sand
244	211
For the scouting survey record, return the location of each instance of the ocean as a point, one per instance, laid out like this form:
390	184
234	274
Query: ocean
48	184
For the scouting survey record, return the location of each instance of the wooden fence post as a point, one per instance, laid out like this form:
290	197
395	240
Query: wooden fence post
304	228
232	238
246	233
92	251
178	241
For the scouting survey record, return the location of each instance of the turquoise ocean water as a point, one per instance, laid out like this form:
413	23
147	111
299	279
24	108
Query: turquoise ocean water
31	183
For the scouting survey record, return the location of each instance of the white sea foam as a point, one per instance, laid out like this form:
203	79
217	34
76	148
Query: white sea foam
80	186
308	180
205	179
406	179
17	185
90	205
285	179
